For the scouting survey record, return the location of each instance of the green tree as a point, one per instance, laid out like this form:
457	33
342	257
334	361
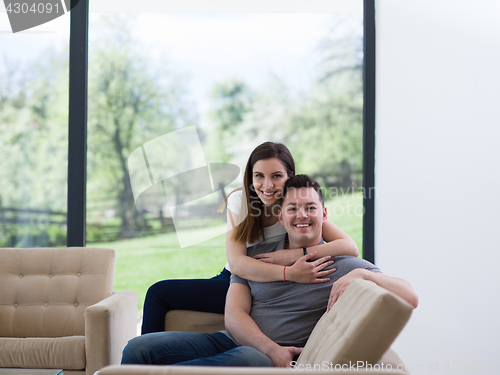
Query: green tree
230	100
131	101
326	130
33	147
322	126
33	132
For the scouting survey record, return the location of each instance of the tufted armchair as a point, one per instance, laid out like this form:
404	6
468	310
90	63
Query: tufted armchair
58	309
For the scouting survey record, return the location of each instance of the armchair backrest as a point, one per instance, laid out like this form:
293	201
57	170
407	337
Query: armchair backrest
44	291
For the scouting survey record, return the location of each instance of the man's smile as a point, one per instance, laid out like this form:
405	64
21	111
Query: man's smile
302	225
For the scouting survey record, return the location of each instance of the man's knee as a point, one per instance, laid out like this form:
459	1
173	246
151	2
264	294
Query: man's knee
136	351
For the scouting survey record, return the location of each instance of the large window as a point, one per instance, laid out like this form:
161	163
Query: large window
224	79
33	134
235	79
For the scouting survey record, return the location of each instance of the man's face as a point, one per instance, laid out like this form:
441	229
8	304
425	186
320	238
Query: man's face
302	215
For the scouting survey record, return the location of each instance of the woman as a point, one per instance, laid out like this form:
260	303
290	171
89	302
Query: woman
255	208
268	168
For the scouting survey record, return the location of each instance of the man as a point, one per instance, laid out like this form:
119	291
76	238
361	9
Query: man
268	323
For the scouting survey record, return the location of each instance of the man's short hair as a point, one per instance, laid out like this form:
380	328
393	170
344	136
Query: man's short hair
300	181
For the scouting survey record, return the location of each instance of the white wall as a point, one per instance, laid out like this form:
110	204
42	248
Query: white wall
438	176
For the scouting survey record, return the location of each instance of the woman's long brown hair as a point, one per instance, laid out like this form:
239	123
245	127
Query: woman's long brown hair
250	226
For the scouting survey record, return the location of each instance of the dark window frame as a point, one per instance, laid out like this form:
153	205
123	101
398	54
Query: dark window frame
369	130
77	142
77	123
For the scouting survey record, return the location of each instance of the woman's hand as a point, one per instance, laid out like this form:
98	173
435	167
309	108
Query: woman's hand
306	272
284	257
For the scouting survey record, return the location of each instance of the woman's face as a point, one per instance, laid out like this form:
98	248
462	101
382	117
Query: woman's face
268	179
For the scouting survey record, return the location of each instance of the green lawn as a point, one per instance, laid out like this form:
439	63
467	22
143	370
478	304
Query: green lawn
347	213
143	261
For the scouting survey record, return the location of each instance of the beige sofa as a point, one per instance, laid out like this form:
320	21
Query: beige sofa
355	336
58	309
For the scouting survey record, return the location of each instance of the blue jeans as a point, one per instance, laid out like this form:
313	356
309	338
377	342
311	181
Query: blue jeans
207	295
191	349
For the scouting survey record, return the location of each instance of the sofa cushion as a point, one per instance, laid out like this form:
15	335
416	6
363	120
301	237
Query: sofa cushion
36	352
361	326
45	291
193	321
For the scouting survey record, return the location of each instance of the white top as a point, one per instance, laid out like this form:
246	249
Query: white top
273	233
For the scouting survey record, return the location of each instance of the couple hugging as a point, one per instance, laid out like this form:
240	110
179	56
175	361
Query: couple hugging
297	265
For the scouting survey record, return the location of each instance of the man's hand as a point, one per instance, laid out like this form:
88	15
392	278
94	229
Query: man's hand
341	285
282	356
284	257
306	272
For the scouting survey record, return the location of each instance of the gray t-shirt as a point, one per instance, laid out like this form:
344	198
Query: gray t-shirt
287	312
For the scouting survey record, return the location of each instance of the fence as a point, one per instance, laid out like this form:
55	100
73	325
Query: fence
32	228
38	228
41	228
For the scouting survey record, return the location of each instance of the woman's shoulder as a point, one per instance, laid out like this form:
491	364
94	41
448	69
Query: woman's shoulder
234	201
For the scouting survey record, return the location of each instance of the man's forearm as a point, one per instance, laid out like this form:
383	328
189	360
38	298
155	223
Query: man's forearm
399	287
243	328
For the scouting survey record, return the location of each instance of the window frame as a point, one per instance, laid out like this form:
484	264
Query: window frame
369	130
77	123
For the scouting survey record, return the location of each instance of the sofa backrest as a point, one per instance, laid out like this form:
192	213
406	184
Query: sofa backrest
44	291
360	327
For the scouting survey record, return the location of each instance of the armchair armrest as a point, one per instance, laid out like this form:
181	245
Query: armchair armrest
109	325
